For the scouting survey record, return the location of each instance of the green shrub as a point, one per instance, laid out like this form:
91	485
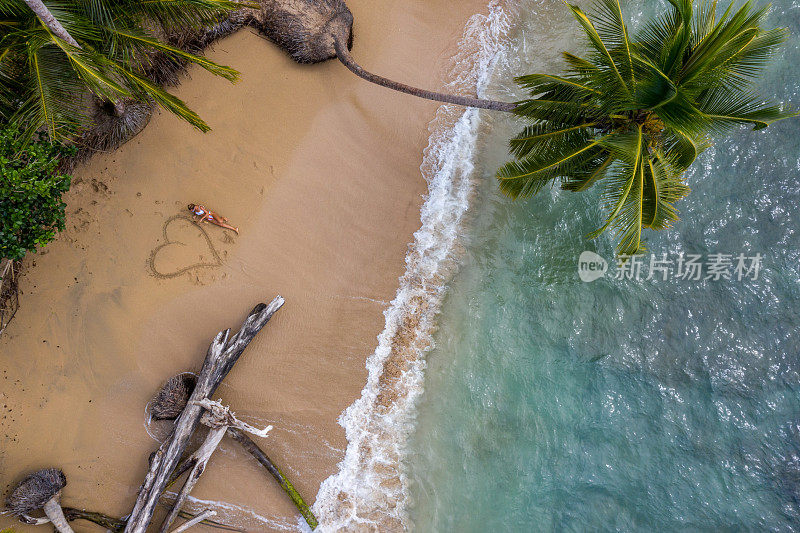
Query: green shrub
31	210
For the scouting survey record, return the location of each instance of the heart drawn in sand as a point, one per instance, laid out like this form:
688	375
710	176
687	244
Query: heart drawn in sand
185	247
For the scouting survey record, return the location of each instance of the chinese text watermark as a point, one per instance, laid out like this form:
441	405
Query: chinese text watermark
661	267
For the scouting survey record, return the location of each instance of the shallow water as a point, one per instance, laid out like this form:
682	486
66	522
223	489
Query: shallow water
554	404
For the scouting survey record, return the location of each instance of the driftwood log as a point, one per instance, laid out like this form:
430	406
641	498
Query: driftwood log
208	513
219	419
116	525
111	523
9	292
202	456
173	397
222	354
253	449
108	522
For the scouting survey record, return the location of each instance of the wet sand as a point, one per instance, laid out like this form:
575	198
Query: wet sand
320	171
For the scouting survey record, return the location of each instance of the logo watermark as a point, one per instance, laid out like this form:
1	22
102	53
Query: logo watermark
661	267
591	266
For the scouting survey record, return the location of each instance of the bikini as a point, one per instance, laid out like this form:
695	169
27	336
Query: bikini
199	212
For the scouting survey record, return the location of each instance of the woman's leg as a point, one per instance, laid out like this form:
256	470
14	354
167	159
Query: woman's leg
228	226
218	221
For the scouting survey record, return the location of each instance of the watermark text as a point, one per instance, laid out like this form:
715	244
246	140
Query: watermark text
681	266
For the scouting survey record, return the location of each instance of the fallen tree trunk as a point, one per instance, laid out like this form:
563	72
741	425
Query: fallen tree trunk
108	522
118	524
194	521
222	354
248	444
172	399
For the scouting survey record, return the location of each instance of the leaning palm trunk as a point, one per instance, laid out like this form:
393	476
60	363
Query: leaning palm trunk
312	31
50	21
56	28
344	56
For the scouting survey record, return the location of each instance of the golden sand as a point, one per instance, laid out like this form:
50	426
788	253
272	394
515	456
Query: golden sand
320	171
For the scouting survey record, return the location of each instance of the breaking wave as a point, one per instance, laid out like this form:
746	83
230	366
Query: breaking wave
369	492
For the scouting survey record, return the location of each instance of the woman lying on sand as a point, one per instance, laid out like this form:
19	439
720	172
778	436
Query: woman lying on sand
208	215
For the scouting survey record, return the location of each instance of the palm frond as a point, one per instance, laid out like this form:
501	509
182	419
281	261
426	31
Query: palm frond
628	222
684	10
51	87
98	12
559	111
704	22
184	13
583	69
744	64
682	149
597	43
611	29
525	177
568	87
118	41
655	89
731	31
663	187
543	136
682	113
726	108
93	69
656	39
622	196
584	178
146	89
219	70
13	8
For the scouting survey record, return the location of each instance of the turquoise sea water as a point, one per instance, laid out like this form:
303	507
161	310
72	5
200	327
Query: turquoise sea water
551	404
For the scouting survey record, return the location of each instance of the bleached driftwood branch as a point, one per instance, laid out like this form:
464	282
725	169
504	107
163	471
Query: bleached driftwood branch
218	418
255	450
218	414
222	354
208	513
201	456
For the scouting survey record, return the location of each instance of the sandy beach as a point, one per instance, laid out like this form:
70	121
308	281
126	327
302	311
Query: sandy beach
320	171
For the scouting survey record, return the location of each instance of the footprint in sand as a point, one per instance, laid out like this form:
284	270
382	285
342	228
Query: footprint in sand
186	247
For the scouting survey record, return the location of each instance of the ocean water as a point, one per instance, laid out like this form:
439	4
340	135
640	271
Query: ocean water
552	404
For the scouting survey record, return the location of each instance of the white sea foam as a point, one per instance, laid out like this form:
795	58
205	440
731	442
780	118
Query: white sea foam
238	516
369	492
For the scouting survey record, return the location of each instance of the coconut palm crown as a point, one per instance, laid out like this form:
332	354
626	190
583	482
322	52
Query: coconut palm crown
107	48
638	110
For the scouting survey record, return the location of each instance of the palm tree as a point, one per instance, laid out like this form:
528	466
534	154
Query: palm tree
52	57
637	111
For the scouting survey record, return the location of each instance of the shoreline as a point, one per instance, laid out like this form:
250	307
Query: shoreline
370	490
320	170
